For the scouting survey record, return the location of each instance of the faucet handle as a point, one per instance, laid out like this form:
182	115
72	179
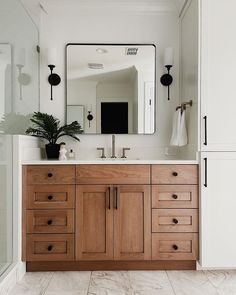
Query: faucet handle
123	152
102	149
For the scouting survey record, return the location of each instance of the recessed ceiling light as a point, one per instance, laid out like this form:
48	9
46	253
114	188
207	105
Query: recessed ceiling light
101	50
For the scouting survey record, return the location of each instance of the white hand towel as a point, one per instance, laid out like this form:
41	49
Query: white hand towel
183	137
175	128
179	133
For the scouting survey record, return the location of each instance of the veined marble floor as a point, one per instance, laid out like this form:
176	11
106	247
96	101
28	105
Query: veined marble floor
128	282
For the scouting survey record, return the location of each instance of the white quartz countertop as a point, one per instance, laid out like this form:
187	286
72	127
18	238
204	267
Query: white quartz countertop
109	162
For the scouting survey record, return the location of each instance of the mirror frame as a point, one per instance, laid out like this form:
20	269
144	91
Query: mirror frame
116	44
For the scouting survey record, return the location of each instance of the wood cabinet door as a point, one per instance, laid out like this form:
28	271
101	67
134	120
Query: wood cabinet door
94	222
132	222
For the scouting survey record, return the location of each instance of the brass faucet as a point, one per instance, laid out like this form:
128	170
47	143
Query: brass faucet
113	147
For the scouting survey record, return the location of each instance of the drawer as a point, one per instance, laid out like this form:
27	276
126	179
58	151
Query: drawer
113	174
174	220
51	174
50	247
175	174
50	221
179	246
175	196
50	196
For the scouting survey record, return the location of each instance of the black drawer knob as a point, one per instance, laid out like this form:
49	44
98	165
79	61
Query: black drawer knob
50	174
49	221
50	247
175	247
175	221
174	196
175	174
50	198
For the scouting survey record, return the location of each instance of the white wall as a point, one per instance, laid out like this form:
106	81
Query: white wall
189	73
65	24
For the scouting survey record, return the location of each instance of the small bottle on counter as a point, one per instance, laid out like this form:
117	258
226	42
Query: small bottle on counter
71	155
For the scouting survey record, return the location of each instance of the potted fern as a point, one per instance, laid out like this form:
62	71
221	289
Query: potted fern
48	127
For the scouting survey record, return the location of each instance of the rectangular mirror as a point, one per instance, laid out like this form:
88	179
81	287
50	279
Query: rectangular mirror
114	85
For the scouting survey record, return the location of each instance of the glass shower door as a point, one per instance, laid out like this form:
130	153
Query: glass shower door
6	203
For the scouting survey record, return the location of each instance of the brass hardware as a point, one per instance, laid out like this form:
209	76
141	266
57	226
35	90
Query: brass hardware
103	152
123	152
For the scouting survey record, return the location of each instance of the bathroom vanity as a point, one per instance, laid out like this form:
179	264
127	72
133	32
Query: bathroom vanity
110	215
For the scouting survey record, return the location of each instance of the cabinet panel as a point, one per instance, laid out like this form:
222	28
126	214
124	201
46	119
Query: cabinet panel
94	225
218	203
113	174
218	76
132	222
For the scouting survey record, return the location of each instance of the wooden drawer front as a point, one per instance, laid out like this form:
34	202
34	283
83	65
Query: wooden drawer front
50	221
113	174
50	196
51	174
175	246
174	196
174	220
50	247
174	174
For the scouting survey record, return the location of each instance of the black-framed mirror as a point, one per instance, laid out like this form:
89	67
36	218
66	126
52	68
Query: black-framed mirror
115	84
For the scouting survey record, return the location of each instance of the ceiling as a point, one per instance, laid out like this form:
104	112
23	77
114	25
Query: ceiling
33	6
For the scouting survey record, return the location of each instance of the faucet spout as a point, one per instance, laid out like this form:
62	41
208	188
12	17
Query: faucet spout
113	147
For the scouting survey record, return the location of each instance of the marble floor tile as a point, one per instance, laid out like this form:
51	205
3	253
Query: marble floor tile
191	283
150	283
110	283
72	282
224	281
33	283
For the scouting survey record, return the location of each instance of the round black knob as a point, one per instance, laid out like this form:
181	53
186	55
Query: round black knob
49	221
175	221
175	174
50	247
50	174
174	196
50	197
175	247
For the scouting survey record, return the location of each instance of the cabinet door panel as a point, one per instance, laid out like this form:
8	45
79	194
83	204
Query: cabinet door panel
132	223
218	203
218	75
94	228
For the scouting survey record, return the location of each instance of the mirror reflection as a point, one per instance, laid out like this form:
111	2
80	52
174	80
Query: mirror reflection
111	88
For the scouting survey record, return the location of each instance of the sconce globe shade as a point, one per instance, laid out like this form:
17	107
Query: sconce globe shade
166	79
54	79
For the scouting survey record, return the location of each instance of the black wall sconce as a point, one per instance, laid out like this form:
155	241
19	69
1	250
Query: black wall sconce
90	117
167	79
53	79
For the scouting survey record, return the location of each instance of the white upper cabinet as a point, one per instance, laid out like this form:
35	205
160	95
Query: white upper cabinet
218	78
218	205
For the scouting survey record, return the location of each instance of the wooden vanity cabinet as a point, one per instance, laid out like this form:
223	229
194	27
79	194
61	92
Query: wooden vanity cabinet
100	217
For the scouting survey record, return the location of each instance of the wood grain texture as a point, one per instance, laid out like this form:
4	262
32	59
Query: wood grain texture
62	247
163	246
50	196
132	223
61	174
113	174
163	220
110	265
94	223
50	221
164	174
174	196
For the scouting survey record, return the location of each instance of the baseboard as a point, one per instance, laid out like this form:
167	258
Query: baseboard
110	265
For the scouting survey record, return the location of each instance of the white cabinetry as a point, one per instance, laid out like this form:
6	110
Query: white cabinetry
218	210
218	82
